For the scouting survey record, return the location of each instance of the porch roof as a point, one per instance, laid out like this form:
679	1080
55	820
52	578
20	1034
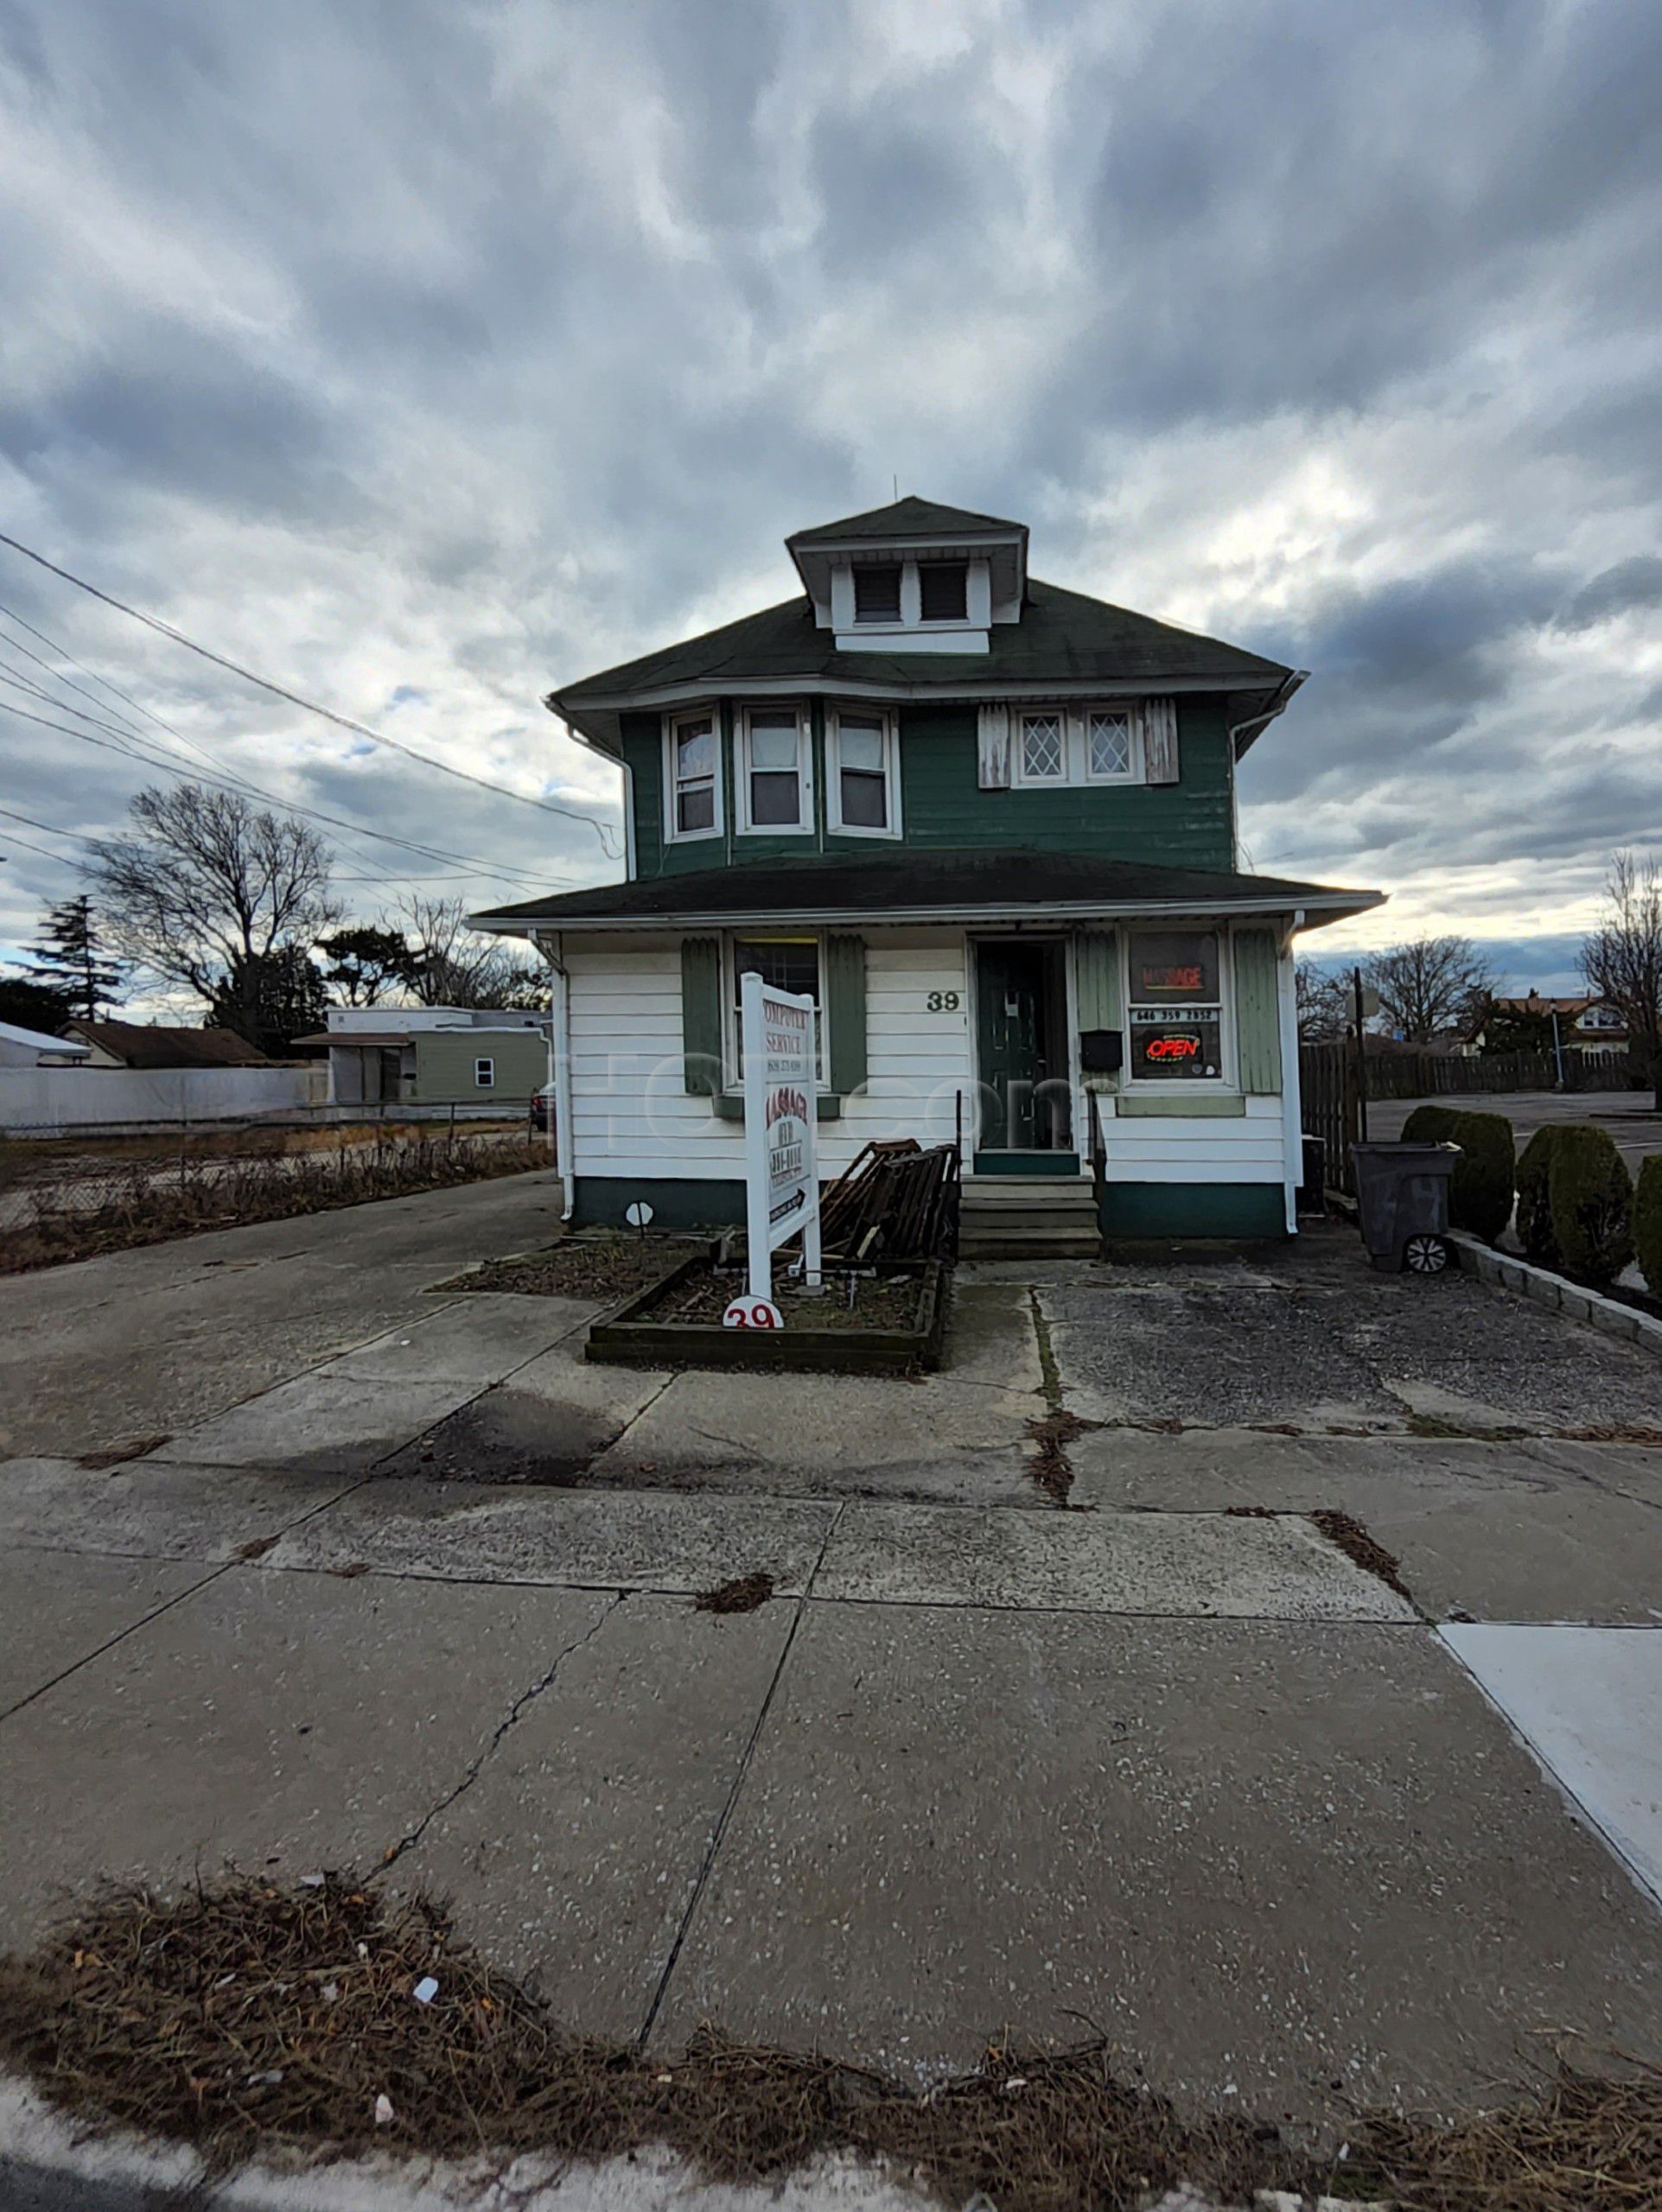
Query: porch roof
905	884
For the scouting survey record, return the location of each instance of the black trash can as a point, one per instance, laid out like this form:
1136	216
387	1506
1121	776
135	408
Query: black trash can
1402	1194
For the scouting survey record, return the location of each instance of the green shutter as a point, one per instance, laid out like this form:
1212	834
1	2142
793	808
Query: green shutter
701	1015
1097	969
846	1011
1257	1011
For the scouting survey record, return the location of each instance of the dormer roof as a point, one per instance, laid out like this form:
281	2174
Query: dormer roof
904	520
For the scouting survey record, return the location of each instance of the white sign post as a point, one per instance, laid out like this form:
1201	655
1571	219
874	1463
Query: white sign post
781	1164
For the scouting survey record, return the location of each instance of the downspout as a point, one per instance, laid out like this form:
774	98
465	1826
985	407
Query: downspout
1292	1119
559	1057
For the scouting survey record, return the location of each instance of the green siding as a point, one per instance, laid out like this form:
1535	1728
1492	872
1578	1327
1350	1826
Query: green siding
1189	823
1257	1013
846	1011
701	1015
1228	1210
444	1067
599	1201
1096	975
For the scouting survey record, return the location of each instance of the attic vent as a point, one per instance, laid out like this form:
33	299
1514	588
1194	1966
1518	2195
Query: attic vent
877	595
943	589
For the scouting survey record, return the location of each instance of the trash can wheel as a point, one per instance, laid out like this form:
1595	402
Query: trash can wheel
1425	1255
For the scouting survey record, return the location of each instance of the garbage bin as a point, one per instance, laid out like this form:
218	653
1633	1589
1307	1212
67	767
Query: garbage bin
1402	1194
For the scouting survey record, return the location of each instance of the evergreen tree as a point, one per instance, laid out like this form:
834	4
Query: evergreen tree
366	962
71	959
29	1005
271	998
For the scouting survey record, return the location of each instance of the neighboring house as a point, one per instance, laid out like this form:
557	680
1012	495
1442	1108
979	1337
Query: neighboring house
434	1056
28	1048
147	1046
990	825
1585	1023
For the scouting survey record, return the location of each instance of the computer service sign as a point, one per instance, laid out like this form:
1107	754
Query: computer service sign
782	1165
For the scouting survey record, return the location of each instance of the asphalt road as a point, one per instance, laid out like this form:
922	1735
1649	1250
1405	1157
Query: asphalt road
1628	1114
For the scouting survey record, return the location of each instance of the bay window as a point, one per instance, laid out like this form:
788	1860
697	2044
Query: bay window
862	772
1175	1000
774	782
695	797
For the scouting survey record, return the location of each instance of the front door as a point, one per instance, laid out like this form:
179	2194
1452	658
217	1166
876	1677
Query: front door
1021	1019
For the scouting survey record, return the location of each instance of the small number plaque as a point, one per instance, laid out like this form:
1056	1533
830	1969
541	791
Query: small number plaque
942	1002
752	1313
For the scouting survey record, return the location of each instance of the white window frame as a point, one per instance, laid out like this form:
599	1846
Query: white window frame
834	822
944	622
897	569
1183	1086
1075	719
673	834
804	826
732	939
488	1080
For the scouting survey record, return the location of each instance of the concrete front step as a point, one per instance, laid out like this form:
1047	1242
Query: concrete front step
1057	1197
1030	1242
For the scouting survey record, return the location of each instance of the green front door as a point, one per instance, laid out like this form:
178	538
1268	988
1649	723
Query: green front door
1020	1024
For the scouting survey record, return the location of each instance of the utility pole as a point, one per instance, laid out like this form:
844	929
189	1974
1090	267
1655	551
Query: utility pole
1362	1055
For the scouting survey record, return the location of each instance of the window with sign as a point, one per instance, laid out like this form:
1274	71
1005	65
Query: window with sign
1176	1006
789	963
695	790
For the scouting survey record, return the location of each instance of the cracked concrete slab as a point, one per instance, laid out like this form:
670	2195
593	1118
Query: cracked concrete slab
578	1851
142	1343
545	1425
57	1609
1626	1470
829	1436
991	1337
1299	1864
478	1338
613	1539
147	1508
316	1425
1589	1702
1197	1564
289	1721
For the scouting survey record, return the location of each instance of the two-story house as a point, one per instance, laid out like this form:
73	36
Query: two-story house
988	824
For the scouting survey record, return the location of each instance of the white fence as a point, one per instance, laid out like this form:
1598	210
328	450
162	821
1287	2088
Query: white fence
43	1099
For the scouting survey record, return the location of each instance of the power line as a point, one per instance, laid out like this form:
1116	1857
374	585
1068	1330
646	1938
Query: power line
310	706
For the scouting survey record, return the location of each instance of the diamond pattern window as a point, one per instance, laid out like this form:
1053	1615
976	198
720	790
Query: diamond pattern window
1044	755
1109	739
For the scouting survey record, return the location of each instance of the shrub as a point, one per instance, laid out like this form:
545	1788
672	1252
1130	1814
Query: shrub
1481	1198
1647	1223
1429	1125
1535	1196
1591	1196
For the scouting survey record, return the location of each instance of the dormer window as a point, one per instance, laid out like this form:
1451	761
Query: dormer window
877	595
943	591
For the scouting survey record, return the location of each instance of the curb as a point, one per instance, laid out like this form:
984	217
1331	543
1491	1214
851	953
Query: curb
1573	1300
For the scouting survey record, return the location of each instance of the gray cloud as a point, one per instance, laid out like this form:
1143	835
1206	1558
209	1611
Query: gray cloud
428	356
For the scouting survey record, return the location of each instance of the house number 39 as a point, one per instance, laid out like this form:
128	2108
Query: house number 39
942	1002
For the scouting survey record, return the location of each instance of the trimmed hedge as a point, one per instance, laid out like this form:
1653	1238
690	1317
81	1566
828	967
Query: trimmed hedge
1481	1193
1647	1223
1535	1196
1484	1175
1591	1196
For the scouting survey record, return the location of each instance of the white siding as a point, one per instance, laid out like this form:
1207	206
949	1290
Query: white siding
1245	1148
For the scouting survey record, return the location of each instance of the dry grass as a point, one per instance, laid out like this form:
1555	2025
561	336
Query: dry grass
244	2017
1049	1464
743	1594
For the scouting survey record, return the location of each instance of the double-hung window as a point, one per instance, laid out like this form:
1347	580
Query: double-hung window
862	773
789	963
1077	745
695	784
485	1074
775	783
1175	999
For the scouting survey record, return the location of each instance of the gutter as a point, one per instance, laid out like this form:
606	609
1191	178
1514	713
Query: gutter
1239	738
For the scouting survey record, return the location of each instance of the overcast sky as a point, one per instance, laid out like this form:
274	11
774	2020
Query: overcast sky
427	355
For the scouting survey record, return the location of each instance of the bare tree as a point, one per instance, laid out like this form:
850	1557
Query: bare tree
454	965
206	886
1430	985
1622	958
1324	1007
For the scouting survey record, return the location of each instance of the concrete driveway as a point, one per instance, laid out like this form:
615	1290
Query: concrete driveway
1295	1733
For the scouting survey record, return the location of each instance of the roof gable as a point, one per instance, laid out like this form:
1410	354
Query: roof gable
907	517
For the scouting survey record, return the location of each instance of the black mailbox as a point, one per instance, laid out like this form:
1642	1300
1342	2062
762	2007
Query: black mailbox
1101	1051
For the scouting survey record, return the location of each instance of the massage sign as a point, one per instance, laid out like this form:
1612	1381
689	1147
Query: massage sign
780	1052
1176	1013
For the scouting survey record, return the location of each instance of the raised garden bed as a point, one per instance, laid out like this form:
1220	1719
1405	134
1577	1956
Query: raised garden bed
594	1263
892	1321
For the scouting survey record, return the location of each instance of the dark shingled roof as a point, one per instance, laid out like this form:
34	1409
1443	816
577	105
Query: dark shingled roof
1061	635
935	882
907	517
145	1045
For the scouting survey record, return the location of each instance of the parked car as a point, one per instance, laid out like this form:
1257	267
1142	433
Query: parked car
541	1107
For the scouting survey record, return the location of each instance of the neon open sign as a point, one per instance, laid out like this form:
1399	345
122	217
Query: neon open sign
1172	1048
